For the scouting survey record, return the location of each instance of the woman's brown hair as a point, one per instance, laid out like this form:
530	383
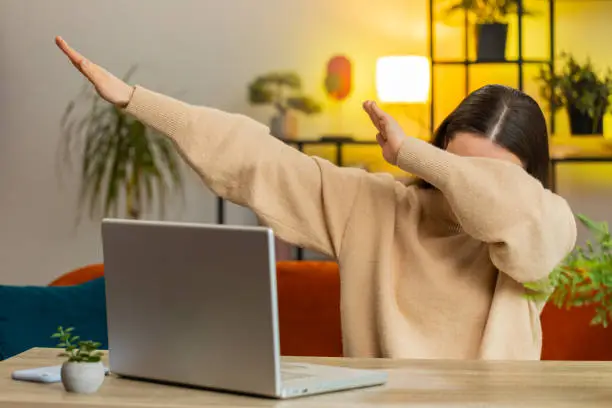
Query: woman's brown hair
507	116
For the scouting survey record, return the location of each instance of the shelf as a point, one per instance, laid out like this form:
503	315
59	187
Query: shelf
329	142
466	62
473	62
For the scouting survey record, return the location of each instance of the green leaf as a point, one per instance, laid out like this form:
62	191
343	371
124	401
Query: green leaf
120	158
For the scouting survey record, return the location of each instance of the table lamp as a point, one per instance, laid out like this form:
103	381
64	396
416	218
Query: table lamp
403	80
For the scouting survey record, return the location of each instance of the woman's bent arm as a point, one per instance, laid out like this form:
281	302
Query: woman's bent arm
306	200
528	228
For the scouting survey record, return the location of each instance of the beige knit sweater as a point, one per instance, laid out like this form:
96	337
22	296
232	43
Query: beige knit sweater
419	268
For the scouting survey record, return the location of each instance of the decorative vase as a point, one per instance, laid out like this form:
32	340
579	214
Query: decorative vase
284	125
491	41
82	378
582	124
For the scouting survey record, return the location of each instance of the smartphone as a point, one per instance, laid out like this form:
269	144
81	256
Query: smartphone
51	374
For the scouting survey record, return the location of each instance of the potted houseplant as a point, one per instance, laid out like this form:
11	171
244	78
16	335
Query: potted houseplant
581	90
83	371
584	278
491	25
123	164
283	91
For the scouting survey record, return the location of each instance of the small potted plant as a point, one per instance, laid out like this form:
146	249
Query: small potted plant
584	278
579	89
83	372
491	24
283	91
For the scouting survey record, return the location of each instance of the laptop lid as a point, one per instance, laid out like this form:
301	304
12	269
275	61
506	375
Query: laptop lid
192	304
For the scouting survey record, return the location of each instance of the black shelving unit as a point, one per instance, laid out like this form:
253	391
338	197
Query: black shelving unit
300	145
520	62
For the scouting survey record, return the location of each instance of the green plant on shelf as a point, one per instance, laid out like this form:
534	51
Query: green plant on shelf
283	91
76	350
577	86
488	11
584	278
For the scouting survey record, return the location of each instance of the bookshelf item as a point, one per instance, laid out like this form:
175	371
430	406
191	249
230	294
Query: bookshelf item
489	50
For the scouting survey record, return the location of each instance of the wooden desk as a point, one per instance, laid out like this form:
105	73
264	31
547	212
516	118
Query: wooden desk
411	383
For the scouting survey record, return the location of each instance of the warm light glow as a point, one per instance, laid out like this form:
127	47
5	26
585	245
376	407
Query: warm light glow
402	79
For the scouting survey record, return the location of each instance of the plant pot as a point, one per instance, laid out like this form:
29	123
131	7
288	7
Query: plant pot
491	41
284	125
82	378
582	124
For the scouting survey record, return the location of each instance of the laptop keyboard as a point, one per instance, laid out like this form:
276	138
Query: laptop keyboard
288	375
291	372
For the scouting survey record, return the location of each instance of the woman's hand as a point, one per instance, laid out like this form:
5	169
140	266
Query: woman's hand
108	86
390	134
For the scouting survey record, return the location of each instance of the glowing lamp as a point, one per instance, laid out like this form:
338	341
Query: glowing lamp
402	79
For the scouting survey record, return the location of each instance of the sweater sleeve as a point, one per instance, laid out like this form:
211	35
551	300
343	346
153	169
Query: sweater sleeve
307	201
528	229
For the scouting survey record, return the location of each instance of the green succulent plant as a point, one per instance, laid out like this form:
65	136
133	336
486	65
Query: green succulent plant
76	350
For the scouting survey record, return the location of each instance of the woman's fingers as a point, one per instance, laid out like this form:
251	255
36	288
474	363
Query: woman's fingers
367	106
93	72
109	87
76	58
377	111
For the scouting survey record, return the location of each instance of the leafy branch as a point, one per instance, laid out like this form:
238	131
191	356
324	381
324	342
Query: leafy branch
489	11
584	277
122	163
76	350
283	91
578	85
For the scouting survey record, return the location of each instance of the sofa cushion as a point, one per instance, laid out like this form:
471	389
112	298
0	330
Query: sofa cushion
29	315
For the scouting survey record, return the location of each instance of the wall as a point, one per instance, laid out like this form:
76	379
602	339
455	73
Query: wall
204	52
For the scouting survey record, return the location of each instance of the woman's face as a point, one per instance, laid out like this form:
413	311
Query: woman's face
473	145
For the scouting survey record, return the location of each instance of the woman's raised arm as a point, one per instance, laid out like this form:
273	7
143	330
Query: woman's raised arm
306	200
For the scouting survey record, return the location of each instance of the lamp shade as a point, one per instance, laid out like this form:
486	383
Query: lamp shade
402	79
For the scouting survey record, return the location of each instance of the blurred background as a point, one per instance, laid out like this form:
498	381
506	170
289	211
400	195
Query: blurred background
224	53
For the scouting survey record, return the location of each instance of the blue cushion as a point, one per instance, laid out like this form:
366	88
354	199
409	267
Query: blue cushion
29	315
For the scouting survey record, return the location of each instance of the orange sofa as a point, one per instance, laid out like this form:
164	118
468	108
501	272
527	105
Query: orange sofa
308	303
309	315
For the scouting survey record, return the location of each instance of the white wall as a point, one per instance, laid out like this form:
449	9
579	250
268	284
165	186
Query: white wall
204	51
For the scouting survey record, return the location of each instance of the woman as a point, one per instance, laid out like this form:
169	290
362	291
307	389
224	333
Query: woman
431	270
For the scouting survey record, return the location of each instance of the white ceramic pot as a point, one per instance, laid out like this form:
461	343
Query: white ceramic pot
82	378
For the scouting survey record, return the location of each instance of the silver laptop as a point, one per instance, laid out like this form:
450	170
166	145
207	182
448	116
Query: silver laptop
196	305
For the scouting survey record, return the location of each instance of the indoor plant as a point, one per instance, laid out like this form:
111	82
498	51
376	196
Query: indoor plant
83	371
584	277
283	91
583	92
491	24
123	163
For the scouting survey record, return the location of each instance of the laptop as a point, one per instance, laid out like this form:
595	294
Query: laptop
196	305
